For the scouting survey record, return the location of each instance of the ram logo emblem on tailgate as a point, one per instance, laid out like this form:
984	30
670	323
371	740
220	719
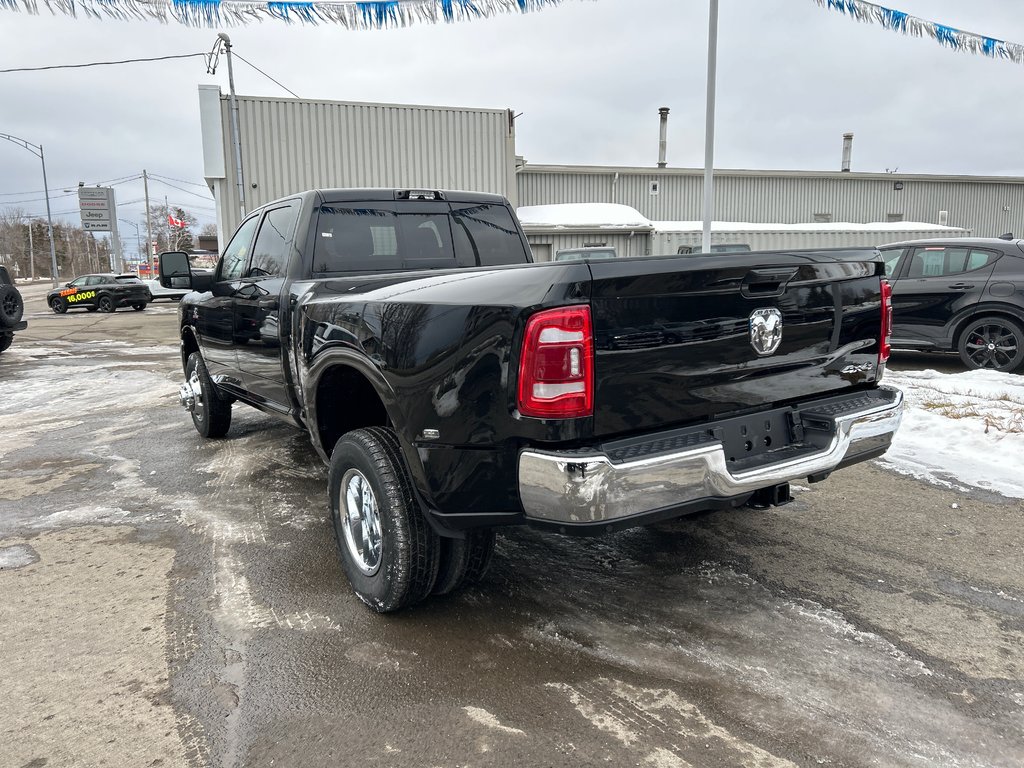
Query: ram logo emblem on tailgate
765	330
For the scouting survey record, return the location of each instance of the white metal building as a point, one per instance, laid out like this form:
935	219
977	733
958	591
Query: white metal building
551	228
987	205
290	145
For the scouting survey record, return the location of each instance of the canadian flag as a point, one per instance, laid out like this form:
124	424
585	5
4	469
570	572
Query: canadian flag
175	222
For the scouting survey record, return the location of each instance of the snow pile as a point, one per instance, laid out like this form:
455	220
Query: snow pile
602	215
963	429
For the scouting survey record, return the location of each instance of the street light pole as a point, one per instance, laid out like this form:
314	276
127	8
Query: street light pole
709	128
37	150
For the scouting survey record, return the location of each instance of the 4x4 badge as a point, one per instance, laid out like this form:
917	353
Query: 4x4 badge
765	330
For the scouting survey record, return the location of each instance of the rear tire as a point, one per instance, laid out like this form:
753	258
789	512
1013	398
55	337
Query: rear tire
6	340
387	548
464	562
212	415
992	343
58	306
105	304
139	307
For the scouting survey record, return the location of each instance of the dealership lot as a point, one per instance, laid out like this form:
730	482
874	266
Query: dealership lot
170	601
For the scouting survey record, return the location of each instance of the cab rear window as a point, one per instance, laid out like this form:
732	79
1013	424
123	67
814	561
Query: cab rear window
376	237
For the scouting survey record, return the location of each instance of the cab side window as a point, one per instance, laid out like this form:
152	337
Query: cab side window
891	258
270	251
236	255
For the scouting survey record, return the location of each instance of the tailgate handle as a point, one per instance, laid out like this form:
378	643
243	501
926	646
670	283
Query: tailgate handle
759	283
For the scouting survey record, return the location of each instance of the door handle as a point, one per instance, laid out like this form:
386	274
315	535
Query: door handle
961	286
267	304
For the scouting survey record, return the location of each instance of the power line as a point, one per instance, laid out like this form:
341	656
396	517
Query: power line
180	189
183	181
111	182
103	63
239	56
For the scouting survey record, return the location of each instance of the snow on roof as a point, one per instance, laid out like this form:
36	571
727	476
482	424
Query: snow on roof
831	226
601	215
615	216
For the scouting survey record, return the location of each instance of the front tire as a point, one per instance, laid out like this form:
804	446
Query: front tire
58	306
6	340
992	343
12	307
387	548
211	415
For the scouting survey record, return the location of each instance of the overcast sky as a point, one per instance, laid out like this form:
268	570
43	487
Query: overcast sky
588	78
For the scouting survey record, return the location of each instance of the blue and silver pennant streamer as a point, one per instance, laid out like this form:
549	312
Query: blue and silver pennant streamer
898	21
352	14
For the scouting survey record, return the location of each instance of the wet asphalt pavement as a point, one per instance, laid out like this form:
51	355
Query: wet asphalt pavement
170	601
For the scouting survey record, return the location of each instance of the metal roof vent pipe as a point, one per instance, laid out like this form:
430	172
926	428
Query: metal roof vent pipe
663	140
847	151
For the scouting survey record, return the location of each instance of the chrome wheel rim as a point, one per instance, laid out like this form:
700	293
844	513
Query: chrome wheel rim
992	345
197	395
360	521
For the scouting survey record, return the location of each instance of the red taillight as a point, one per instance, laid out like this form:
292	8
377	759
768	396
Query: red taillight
556	368
883	349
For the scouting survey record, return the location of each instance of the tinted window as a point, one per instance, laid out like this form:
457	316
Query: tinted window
943	261
352	238
891	257
127	279
270	251
486	236
96	280
237	253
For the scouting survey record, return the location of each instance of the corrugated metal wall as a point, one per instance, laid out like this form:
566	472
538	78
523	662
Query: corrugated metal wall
289	145
989	207
624	244
669	242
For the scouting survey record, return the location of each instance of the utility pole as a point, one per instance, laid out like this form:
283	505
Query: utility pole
235	135
149	224
167	223
31	253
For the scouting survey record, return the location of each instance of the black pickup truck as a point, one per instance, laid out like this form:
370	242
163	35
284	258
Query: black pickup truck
453	386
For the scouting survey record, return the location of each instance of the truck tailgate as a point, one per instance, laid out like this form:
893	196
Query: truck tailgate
673	340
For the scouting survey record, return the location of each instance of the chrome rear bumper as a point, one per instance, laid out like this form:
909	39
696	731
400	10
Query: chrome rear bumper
583	487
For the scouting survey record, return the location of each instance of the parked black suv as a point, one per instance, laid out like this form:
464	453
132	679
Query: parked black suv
964	295
12	307
100	292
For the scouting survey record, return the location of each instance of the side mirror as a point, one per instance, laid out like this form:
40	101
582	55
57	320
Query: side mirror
175	271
